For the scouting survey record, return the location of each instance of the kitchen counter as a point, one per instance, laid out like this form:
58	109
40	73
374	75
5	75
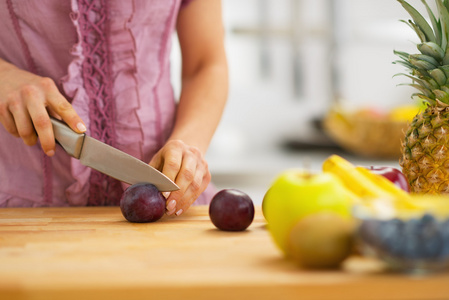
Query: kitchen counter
93	253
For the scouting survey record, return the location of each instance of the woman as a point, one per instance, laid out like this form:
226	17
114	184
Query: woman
103	67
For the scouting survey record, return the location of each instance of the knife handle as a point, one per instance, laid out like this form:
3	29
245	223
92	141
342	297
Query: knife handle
71	141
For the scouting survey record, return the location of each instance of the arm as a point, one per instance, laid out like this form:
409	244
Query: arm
25	102
203	97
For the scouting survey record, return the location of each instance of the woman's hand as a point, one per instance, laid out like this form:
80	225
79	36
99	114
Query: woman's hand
202	100
26	100
186	166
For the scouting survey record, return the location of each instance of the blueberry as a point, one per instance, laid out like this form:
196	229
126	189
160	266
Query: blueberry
430	237
445	223
444	226
428	218
389	233
398	249
444	229
432	246
445	249
368	231
412	240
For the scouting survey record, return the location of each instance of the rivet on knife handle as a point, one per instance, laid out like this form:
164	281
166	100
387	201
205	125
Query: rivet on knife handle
71	141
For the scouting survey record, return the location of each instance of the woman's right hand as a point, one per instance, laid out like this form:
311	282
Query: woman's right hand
26	100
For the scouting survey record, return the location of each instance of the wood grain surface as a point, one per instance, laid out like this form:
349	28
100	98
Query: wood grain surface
93	253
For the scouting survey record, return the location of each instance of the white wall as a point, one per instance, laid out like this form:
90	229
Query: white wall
263	108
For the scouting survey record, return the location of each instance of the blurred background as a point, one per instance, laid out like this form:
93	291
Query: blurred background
293	61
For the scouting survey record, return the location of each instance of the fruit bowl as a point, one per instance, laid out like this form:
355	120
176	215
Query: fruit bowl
366	133
410	237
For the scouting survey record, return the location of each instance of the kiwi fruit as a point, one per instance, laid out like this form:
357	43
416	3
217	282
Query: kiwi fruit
321	240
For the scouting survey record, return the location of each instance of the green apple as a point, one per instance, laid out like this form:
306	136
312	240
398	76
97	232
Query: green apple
297	193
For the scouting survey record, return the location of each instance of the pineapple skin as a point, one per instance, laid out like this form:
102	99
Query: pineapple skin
425	151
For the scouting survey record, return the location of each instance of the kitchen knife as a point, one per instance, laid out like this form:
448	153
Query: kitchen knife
109	160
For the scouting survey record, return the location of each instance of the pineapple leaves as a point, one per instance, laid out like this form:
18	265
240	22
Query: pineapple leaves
424	91
422	61
425	98
442	96
403	55
444	19
431	49
415	28
438	76
435	24
422	82
420	22
445	69
405	64
428	70
446	4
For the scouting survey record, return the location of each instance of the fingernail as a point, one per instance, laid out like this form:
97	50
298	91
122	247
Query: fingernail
170	212
81	127
166	194
50	153
171	205
179	212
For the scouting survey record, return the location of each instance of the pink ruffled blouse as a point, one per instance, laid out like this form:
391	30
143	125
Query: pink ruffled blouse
111	61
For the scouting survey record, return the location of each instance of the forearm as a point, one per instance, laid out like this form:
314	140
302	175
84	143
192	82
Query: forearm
201	105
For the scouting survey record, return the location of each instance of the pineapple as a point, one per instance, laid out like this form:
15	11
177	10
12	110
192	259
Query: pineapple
425	150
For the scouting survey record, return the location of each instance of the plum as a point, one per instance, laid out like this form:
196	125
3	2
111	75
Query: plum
231	210
142	203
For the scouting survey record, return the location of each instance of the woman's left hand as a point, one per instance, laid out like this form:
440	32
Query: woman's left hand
186	166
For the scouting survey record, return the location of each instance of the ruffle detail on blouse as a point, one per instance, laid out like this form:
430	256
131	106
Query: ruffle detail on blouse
139	79
72	85
128	124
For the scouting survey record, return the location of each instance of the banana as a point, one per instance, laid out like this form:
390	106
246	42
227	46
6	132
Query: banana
431	49
384	183
361	181
439	76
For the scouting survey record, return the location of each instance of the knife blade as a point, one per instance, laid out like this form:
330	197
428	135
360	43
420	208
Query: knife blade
109	160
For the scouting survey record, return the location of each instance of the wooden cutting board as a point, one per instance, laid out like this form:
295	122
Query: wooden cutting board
93	253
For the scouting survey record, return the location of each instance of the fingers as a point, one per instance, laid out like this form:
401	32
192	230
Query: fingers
187	167
40	119
172	160
25	106
7	121
194	190
21	117
59	105
187	176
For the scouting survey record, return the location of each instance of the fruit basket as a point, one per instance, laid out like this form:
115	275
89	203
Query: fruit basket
409	237
366	133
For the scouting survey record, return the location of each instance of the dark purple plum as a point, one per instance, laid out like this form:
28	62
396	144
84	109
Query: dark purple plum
231	210
142	203
392	174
